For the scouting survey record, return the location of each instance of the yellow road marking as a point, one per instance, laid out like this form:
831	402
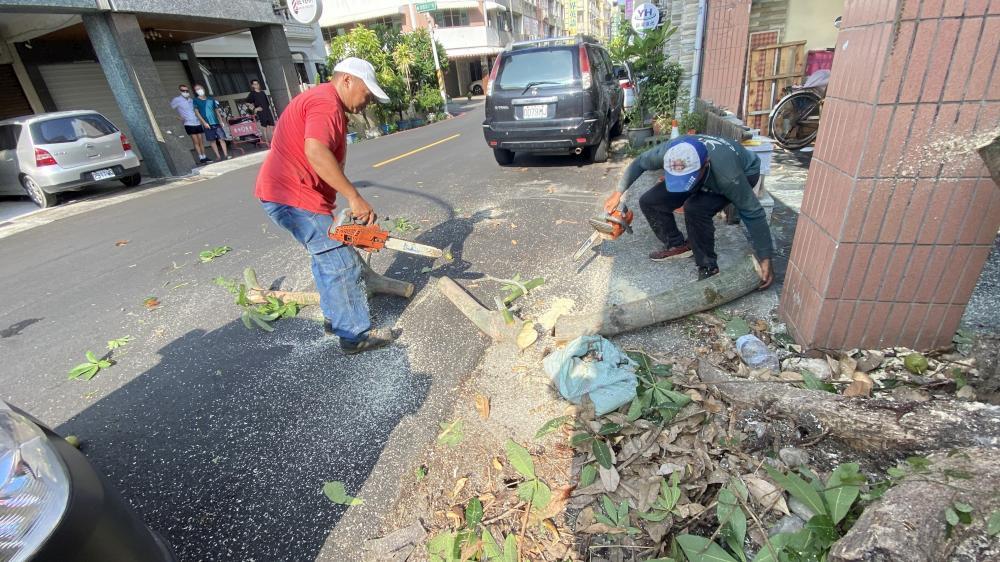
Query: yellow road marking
416	150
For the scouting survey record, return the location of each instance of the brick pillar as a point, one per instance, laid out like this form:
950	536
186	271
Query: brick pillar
727	31
899	212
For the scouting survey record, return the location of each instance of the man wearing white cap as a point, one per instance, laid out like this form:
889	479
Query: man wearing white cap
703	174
298	187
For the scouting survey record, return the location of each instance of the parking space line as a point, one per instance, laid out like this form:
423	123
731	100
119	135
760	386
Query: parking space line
416	150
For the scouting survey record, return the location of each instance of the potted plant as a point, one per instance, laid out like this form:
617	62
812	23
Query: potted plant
637	131
693	122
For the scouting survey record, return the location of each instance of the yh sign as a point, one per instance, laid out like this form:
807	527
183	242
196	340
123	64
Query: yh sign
645	17
305	11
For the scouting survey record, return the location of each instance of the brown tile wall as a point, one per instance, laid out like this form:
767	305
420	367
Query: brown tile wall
899	214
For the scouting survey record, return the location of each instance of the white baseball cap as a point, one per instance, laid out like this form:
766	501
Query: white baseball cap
366	72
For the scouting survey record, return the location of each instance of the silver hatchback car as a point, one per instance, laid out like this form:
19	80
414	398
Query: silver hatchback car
42	155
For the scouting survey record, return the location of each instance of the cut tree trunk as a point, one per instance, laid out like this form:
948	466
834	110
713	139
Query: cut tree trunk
490	322
869	425
375	282
727	285
908	523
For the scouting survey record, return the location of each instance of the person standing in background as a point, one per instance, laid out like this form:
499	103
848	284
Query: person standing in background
210	111
194	125
262	109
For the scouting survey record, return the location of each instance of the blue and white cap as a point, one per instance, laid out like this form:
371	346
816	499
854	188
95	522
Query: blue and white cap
685	156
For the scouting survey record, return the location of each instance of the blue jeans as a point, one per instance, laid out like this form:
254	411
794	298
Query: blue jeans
336	268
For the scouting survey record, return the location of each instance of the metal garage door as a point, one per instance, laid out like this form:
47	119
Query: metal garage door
13	103
82	85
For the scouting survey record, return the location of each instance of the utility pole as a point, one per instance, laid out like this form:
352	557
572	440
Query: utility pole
437	65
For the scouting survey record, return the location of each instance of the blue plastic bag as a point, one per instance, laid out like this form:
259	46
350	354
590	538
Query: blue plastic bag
592	365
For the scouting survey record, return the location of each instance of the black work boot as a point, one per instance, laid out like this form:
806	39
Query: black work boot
376	339
706	271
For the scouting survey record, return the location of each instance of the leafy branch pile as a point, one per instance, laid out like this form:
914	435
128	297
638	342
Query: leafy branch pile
260	315
93	365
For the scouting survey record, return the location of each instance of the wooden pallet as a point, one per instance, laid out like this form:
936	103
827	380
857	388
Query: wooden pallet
770	70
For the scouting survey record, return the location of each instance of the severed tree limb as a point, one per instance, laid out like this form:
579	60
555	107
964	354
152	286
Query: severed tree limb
490	322
869	425
678	302
375	282
908	523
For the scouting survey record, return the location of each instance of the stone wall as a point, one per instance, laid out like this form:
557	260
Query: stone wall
769	15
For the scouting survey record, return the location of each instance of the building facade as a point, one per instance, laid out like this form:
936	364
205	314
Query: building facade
472	32
126	58
590	17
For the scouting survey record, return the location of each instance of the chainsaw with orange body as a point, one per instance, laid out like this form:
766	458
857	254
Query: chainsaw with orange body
372	238
607	227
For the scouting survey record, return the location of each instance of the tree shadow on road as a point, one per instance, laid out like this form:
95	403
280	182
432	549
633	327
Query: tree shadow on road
224	445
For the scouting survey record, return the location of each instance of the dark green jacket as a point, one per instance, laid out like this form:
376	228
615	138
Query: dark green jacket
729	166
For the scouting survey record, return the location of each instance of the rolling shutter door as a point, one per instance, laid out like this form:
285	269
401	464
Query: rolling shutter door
13	102
172	74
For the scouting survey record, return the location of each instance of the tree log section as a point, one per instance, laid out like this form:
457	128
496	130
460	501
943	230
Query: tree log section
490	322
869	425
727	285
376	284
908	523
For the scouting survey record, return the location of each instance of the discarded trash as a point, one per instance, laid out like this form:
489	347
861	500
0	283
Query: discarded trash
592	365
755	353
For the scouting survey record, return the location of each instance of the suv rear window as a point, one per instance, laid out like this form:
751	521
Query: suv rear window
550	67
71	129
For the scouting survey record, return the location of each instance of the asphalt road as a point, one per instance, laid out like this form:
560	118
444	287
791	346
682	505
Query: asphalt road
221	437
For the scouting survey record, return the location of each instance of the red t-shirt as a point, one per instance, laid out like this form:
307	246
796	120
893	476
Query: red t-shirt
286	176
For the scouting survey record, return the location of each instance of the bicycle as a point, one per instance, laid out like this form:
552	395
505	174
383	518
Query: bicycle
794	120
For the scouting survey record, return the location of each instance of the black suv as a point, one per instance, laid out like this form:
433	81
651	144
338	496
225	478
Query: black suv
553	96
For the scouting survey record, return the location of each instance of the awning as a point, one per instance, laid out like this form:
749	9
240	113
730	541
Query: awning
473	4
342	17
473	52
493	6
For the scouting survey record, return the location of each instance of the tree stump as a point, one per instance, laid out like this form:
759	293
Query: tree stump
727	285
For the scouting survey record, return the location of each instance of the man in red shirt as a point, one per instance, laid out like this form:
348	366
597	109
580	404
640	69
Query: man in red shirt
298	186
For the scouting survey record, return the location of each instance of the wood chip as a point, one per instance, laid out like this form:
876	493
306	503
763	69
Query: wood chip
483	406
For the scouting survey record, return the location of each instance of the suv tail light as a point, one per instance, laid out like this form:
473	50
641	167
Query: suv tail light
493	75
43	158
586	79
34	486
126	146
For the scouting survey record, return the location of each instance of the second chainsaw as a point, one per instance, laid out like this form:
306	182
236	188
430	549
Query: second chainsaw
608	226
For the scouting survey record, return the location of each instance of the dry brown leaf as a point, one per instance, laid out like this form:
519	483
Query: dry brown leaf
712	405
694	395
513	242
560	496
459	484
766	495
527	335
688	510
496	463
121	243
551	528
600	529
609	478
847	367
151	303
483	406
862	385
456	517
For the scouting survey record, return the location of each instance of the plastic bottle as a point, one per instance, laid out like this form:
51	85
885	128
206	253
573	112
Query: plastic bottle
755	353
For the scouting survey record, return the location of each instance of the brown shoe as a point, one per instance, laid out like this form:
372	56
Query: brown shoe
376	339
681	251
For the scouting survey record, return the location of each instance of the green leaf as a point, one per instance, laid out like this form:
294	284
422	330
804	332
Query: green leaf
336	493
655	515
263	325
579	439
609	428
737	327
473	513
635	409
896	472
962	507
700	549
510	548
587	475
609	506
799	488
957	473
812	383
90	373
491	550
622	515
451	433
839	494
119	342
823	529
91	357
80	369
778	543
103	363
535	492
245	317
520	459
444	545
726	506
951	516
603	453
993	525
420	472
551	425
920	464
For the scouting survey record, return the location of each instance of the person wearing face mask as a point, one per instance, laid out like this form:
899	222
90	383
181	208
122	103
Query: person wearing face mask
194	125
262	109
212	115
298	186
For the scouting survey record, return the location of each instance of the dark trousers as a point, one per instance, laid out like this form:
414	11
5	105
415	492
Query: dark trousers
658	206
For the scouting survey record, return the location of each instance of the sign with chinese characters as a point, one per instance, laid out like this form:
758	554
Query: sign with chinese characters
305	11
645	17
427	7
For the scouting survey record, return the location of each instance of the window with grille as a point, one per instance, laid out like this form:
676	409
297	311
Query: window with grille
451	18
228	76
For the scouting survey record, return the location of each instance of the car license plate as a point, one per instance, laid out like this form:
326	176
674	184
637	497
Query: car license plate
104	174
535	111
